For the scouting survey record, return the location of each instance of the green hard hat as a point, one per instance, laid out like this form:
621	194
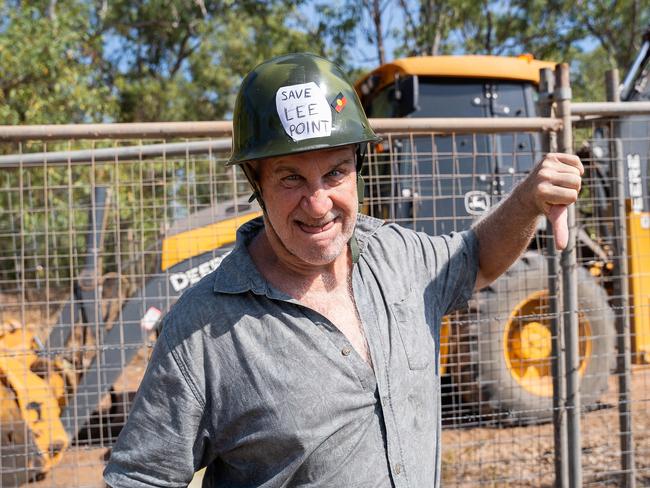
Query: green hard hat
296	103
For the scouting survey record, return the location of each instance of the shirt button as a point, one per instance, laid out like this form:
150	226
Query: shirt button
346	351
398	468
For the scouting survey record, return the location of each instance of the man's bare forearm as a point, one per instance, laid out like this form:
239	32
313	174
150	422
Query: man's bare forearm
503	235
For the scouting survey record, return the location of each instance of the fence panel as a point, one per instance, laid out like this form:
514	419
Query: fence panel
615	219
99	237
94	248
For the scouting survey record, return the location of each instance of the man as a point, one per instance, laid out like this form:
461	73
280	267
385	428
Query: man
310	356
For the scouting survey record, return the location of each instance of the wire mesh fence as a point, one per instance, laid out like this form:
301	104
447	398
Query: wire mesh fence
98	238
614	215
93	253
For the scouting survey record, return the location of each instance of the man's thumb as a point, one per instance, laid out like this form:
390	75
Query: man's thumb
558	217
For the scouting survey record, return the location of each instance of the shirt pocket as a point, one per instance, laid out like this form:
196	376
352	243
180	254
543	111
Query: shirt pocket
413	330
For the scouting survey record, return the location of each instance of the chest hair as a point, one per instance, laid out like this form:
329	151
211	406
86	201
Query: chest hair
338	306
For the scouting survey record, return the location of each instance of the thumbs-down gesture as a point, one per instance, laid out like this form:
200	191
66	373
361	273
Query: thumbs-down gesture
552	186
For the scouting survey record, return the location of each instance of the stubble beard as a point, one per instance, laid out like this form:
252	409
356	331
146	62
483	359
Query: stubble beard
316	255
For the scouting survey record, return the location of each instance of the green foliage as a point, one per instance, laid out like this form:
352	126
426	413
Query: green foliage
428	26
617	27
225	55
38	225
184	61
144	60
47	73
588	75
338	24
47	213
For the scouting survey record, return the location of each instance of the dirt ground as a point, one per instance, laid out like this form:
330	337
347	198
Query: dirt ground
81	468
524	456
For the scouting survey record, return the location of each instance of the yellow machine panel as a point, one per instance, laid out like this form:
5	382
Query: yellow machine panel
639	269
445	342
193	242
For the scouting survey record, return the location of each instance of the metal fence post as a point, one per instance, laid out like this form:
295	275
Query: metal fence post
611	85
568	261
549	144
620	300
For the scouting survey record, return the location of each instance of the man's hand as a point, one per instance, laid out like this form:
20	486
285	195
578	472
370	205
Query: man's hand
504	234
552	186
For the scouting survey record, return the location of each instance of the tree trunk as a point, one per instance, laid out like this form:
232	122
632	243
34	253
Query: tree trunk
488	29
51	10
379	37
437	33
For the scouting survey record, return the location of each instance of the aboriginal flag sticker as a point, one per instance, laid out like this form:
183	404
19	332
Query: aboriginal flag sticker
339	102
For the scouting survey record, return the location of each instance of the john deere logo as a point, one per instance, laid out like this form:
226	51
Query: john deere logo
477	202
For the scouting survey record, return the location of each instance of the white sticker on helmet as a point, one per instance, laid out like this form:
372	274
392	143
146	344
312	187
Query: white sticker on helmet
304	111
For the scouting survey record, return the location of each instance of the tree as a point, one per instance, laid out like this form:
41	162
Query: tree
591	35
140	60
178	60
617	27
428	26
143	60
47	74
376	8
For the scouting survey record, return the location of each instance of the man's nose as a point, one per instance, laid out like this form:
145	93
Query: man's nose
317	203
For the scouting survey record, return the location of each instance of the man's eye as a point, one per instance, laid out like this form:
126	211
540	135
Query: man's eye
291	180
335	173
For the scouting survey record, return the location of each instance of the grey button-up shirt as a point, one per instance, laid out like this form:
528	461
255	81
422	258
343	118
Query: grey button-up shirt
269	393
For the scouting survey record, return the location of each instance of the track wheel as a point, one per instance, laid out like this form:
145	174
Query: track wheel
504	361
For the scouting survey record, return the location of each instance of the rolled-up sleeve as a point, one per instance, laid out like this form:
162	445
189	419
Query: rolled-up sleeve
460	253
164	440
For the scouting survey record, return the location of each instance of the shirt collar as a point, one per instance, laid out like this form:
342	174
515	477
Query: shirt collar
238	274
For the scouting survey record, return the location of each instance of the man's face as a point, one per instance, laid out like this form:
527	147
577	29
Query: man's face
311	202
